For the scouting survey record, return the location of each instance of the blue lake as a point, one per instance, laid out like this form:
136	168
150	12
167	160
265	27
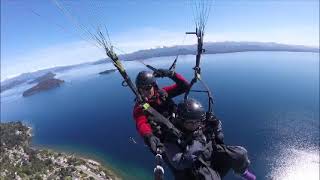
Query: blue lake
268	102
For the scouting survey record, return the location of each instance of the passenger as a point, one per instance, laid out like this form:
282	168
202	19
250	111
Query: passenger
203	155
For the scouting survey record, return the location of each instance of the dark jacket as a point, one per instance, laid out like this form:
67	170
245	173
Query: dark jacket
206	157
198	143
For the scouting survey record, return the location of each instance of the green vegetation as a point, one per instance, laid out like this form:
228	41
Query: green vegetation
18	160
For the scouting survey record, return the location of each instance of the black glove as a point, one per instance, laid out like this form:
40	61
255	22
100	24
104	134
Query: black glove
194	150
163	73
217	133
219	136
154	143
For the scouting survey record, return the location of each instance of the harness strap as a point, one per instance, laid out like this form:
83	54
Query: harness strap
159	118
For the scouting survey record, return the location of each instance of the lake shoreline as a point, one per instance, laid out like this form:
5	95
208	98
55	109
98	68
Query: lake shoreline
120	169
20	160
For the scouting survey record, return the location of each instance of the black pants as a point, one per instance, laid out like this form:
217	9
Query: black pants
223	159
226	157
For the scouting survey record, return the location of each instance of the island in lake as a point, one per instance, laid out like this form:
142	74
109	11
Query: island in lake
45	82
44	77
20	161
108	71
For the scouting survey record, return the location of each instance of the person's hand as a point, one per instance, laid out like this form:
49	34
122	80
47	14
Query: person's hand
163	73
154	143
195	149
217	135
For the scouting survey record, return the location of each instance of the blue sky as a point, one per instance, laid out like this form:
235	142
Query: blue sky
36	35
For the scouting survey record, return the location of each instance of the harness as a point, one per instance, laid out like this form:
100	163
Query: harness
167	108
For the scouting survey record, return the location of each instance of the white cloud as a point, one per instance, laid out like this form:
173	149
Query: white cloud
56	55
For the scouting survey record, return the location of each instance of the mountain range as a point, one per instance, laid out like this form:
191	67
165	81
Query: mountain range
210	48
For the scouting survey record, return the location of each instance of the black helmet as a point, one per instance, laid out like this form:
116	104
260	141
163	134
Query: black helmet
145	78
191	110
